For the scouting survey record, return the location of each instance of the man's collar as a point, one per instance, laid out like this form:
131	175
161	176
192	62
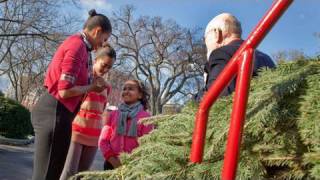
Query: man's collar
85	40
236	42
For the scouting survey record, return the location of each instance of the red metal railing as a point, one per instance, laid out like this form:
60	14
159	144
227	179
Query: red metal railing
240	65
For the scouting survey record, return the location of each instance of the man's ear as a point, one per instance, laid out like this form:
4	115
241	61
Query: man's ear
219	36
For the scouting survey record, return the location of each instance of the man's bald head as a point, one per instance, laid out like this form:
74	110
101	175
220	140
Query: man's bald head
222	30
227	23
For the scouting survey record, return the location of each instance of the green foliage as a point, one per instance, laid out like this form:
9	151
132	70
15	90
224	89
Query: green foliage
309	125
281	134
14	119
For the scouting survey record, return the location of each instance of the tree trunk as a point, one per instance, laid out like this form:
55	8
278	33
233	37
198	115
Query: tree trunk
153	104
159	108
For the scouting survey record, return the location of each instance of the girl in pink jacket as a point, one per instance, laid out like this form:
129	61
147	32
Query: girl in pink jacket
121	132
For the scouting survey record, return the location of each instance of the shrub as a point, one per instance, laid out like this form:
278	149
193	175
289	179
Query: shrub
14	119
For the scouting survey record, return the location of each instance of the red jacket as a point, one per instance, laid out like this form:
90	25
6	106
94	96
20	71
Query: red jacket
68	68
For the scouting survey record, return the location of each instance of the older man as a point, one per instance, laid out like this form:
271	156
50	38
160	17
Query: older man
223	38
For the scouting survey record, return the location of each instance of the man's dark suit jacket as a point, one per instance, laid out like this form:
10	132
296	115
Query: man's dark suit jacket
221	56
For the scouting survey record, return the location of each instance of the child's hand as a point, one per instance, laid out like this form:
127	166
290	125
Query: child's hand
98	85
100	82
114	161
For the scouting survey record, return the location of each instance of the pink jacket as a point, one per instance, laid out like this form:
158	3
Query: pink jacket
112	144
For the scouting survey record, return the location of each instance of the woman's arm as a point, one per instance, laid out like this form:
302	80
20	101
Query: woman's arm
70	69
74	91
96	86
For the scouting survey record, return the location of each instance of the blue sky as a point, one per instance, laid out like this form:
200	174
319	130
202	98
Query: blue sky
295	30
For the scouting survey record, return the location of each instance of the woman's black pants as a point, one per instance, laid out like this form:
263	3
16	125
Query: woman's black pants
51	121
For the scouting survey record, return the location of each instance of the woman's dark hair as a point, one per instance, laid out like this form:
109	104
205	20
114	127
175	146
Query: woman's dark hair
95	20
145	94
106	50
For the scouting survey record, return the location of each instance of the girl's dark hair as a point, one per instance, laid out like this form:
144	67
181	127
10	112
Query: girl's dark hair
95	20
106	50
145	94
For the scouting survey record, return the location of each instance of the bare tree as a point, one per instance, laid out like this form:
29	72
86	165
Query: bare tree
29	34
160	53
288	55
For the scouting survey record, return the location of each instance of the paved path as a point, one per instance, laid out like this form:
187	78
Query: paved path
16	162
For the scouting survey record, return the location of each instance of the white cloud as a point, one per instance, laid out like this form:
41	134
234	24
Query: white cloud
101	6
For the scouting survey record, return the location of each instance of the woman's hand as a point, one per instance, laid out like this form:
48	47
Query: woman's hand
98	85
114	161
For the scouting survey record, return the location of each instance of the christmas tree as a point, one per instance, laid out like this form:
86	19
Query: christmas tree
281	138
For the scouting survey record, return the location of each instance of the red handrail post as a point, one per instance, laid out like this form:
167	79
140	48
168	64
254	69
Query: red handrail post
238	116
199	134
239	60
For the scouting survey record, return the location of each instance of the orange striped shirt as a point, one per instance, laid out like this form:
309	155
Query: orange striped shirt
86	127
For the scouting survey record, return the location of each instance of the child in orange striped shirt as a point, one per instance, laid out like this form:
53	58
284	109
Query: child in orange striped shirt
86	126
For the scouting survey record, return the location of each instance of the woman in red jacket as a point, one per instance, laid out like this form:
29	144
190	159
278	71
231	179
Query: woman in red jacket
87	124
67	79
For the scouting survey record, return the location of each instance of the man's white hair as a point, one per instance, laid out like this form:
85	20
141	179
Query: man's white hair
226	22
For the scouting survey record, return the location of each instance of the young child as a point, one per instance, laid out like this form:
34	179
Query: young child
121	132
86	126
